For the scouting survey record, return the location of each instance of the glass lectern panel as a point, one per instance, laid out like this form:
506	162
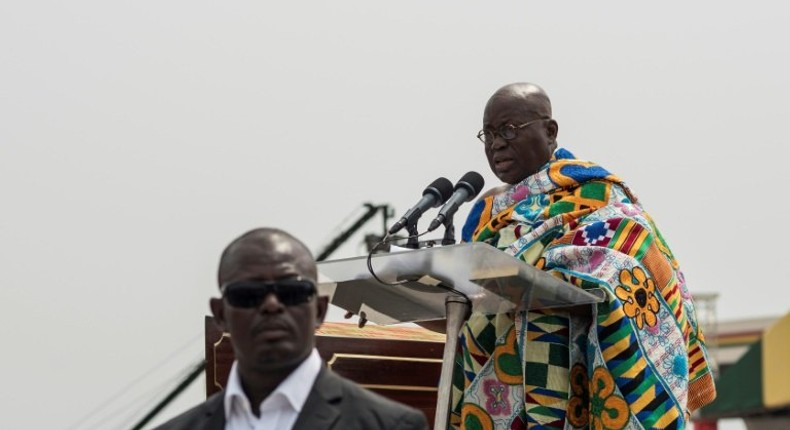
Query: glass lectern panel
493	282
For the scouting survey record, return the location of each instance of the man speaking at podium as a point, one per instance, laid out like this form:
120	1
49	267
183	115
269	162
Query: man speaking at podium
271	309
640	361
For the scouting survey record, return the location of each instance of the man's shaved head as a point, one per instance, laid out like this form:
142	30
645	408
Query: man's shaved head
536	100
265	245
525	110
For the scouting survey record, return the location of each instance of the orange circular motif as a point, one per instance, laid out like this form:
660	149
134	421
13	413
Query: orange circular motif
638	293
473	417
507	364
608	411
578	412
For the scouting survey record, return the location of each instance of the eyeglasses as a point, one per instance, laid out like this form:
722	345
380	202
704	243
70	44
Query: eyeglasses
250	294
506	131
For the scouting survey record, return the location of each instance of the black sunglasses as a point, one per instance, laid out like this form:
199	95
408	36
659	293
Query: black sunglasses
250	294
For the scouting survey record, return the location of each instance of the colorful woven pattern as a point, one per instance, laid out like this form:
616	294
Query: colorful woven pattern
639	362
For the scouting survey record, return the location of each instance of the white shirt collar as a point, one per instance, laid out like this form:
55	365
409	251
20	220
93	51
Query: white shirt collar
295	387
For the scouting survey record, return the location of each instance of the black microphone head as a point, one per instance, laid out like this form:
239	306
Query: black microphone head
441	189
473	182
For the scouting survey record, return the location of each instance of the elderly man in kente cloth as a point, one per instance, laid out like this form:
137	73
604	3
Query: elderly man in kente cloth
640	361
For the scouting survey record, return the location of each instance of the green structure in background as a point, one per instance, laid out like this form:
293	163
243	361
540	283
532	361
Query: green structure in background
757	387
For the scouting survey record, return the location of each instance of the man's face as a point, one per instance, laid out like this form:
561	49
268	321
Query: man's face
272	335
515	159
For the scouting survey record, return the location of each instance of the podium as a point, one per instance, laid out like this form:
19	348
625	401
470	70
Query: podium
444	283
412	356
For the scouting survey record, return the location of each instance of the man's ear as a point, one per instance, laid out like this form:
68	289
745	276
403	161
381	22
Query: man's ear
322	304
218	310
552	128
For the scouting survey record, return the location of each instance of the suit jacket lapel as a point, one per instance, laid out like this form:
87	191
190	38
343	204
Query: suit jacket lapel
322	407
215	413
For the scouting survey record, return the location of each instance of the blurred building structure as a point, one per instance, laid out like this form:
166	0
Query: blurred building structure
753	372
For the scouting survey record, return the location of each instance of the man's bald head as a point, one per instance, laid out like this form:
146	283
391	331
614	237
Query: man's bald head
520	133
265	246
536	101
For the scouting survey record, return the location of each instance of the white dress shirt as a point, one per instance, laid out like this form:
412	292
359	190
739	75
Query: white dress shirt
277	411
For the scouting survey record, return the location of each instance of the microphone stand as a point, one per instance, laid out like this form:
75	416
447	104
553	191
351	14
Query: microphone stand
411	228
449	232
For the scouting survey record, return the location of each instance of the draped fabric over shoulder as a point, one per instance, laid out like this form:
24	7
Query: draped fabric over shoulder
639	362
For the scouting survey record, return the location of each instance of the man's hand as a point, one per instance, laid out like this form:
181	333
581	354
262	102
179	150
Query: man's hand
362	318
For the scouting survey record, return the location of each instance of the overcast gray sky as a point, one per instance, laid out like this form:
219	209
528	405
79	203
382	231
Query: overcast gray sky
138	138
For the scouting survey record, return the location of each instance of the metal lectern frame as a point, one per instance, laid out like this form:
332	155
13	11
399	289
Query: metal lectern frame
444	283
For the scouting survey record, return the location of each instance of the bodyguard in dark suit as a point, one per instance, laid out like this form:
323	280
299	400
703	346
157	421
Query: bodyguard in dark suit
270	307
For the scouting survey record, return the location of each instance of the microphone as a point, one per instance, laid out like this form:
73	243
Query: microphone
467	188
434	195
